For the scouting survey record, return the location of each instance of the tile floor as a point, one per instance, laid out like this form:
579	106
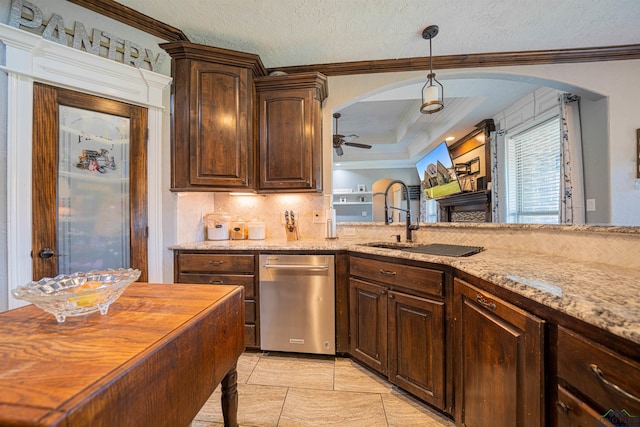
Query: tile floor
279	389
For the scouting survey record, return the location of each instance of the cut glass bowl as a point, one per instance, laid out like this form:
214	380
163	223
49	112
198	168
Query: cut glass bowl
79	293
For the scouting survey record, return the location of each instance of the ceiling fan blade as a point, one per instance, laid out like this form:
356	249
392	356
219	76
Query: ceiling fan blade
355	144
339	151
350	138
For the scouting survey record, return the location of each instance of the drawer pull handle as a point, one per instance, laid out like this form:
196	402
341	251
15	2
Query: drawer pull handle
387	272
563	407
600	375
485	302
216	282
216	262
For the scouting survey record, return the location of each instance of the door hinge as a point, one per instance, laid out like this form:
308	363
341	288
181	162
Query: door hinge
146	232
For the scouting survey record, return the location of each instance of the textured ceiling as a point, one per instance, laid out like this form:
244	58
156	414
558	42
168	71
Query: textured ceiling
304	32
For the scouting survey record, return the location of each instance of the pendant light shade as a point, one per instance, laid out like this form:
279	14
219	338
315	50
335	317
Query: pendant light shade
432	91
432	95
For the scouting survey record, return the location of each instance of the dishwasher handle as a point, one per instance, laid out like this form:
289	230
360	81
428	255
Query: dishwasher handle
297	267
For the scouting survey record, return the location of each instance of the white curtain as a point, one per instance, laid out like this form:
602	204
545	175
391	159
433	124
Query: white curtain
571	169
497	178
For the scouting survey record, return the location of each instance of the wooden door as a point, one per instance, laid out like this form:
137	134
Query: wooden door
368	324
500	371
416	346
112	233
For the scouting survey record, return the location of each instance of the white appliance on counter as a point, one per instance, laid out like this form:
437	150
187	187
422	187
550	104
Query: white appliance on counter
297	303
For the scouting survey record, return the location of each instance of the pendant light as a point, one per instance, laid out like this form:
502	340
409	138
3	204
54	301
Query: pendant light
432	91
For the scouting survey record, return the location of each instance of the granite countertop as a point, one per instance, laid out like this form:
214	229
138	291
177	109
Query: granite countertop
599	294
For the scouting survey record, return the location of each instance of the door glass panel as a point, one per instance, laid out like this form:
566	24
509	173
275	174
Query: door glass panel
92	191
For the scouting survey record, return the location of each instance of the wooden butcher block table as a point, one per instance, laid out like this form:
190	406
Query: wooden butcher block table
152	360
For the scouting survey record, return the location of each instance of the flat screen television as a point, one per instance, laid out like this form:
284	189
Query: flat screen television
437	175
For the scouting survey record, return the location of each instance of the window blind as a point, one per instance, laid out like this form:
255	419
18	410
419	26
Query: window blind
533	174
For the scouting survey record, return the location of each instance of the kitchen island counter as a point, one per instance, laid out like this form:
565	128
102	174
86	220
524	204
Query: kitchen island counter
152	360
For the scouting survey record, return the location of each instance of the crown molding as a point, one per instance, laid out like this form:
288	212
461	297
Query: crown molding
499	59
133	18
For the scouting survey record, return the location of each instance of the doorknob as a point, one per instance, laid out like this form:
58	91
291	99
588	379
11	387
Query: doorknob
46	253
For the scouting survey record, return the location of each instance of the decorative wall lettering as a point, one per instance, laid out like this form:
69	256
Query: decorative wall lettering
25	14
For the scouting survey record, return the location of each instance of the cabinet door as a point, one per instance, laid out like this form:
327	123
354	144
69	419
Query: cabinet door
290	149
499	361
416	346
220	126
212	137
368	324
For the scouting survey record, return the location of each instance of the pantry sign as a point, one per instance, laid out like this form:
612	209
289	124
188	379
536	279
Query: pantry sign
26	15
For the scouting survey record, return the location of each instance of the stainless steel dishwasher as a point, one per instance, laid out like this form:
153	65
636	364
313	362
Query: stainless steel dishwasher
297	303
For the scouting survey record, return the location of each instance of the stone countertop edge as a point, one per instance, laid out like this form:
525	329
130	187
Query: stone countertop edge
586	291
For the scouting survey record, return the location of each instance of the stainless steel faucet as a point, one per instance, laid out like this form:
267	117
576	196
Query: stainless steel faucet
410	226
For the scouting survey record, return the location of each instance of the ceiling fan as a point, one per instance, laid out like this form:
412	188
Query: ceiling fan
340	140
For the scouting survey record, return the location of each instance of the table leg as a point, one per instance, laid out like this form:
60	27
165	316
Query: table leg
230	398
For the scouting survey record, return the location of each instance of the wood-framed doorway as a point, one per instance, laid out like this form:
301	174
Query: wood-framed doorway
29	58
48	102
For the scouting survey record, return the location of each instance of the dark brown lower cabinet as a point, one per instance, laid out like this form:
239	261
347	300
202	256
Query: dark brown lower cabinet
416	346
368	326
400	336
499	361
596	385
215	268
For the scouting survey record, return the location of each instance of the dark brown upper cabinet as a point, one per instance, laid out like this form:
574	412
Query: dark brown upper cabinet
290	132
213	138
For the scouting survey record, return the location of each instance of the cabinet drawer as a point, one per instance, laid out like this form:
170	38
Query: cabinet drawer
415	278
607	379
249	312
574	412
248	281
215	263
250	336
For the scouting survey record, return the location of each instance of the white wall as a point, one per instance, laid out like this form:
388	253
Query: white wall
619	81
597	180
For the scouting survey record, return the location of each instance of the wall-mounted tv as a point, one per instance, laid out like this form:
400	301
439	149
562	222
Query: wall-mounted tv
437	174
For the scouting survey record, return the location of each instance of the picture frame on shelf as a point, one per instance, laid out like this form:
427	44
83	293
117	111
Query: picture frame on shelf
362	188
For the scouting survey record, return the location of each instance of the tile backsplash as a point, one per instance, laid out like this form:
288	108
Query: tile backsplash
590	244
268	208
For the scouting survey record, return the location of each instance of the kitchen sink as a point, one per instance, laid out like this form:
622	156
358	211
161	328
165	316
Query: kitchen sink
438	249
394	245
